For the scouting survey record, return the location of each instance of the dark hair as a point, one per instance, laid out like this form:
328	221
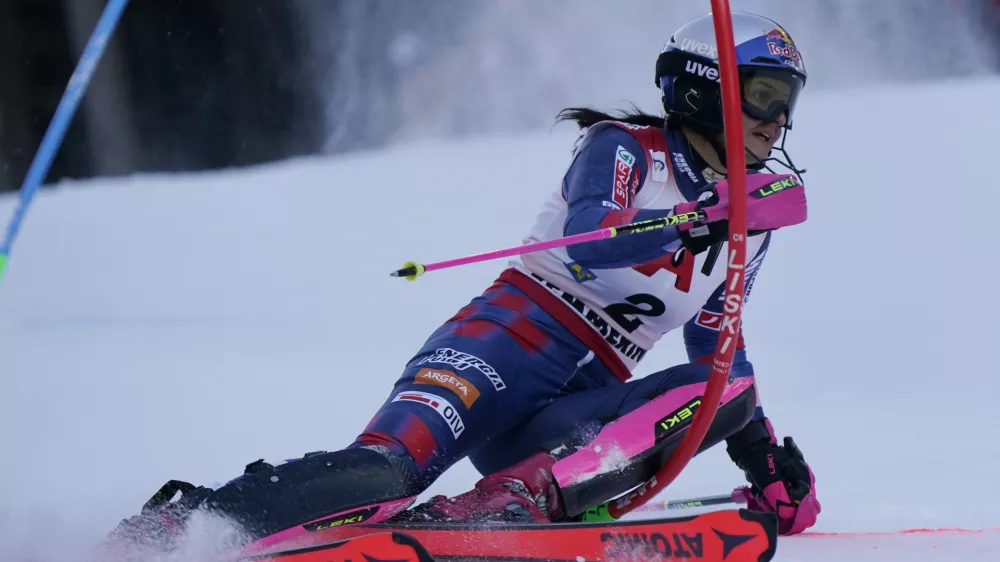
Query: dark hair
586	117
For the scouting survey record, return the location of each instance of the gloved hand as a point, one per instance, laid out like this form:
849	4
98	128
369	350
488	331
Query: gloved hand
780	480
774	201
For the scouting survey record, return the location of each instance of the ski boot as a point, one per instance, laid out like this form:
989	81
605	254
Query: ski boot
268	499
523	493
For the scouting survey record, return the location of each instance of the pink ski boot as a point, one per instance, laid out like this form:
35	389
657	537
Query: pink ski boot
523	493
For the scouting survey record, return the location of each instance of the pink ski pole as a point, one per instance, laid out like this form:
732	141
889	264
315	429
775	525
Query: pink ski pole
737	496
411	270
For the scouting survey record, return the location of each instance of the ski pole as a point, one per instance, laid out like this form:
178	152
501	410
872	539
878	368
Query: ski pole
736	496
412	270
600	512
60	121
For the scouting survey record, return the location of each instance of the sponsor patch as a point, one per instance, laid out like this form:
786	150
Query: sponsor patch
779	34
462	361
447	379
625	156
579	273
440	405
775	187
779	44
352	518
787	51
682	166
672	423
633	184
660	172
703	70
709	319
623	168
699	48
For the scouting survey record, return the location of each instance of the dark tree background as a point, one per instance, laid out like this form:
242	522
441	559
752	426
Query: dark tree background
206	84
184	84
196	84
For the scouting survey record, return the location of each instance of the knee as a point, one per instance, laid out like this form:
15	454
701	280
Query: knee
656	384
683	374
735	411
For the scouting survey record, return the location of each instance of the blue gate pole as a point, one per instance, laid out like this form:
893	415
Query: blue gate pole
60	121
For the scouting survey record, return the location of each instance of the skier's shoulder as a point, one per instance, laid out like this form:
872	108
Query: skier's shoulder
631	136
623	145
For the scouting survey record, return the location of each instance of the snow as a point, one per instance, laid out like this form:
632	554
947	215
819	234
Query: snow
181	326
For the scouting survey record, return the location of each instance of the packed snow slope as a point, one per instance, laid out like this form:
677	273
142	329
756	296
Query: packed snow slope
181	326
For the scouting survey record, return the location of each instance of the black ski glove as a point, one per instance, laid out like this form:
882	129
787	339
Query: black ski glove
702	236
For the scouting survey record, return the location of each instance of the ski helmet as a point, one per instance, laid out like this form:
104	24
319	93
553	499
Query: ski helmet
771	73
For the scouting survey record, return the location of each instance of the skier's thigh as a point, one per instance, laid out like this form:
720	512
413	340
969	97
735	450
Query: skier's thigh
467	390
576	418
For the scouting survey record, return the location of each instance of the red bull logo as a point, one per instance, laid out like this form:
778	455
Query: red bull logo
779	43
787	51
779	34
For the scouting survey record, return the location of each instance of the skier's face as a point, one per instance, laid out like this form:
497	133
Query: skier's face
761	136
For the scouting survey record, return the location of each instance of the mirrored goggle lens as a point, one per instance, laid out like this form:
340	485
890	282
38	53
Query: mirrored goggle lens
768	94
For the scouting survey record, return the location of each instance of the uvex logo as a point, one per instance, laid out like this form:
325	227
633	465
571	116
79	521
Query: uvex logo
703	70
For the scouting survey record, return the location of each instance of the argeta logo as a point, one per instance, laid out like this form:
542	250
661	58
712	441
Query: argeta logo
703	70
440	405
446	379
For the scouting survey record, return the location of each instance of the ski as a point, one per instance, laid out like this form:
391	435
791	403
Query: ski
720	536
378	547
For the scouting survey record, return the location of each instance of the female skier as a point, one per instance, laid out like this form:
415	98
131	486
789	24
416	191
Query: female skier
529	374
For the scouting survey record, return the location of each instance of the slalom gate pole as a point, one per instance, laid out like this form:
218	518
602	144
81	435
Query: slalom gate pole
74	91
729	334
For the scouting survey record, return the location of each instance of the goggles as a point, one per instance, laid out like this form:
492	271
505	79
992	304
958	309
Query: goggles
767	93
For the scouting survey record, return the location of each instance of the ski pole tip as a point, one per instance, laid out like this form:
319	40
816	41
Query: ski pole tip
410	271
